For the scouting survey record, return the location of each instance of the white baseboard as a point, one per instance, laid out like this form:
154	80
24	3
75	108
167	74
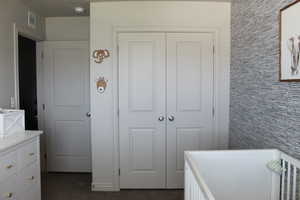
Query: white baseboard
105	187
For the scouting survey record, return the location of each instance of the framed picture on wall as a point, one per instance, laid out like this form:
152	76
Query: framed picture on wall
290	42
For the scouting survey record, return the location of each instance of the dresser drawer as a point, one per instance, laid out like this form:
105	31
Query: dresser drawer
33	194
8	165
28	154
8	188
28	177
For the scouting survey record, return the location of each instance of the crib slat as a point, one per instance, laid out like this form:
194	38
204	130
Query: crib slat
196	192
288	181
294	181
283	180
193	188
188	183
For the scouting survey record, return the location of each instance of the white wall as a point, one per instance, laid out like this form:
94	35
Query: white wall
67	28
105	17
12	11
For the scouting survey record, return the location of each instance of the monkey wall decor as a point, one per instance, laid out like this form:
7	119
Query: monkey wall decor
100	55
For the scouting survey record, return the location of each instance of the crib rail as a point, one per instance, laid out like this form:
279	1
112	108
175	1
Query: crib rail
195	186
290	181
284	182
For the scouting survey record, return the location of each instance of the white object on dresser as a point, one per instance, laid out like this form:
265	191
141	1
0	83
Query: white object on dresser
11	121
20	166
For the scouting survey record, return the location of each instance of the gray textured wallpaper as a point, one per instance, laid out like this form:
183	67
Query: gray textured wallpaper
264	113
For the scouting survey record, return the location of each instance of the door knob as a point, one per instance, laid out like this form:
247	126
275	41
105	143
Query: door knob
161	118
171	118
8	195
88	114
9	166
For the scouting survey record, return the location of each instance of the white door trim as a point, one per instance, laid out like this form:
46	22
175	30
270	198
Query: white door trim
39	81
219	109
16	32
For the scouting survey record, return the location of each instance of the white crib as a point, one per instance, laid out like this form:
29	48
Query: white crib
241	175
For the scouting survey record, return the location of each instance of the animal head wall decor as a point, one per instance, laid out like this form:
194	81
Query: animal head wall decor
100	55
101	84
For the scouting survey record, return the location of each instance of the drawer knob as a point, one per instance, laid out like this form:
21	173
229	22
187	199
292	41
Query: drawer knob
8	195
31	154
31	178
9	166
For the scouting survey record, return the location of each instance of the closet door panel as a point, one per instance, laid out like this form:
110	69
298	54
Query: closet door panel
189	99
142	99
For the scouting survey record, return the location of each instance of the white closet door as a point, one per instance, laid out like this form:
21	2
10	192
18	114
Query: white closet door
189	99
142	110
66	74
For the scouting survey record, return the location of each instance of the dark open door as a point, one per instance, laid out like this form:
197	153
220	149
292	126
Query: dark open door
27	81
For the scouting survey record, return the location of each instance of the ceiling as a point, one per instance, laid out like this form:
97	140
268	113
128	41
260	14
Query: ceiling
57	8
62	8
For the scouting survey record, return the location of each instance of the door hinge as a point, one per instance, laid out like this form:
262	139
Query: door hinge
118	112
44	106
214	49
119	172
213	112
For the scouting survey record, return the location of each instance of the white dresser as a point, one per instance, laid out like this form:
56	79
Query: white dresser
20	177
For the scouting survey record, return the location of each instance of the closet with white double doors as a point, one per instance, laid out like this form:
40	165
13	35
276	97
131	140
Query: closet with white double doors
165	105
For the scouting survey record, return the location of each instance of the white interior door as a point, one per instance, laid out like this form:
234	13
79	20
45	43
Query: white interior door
189	99
142	110
66	73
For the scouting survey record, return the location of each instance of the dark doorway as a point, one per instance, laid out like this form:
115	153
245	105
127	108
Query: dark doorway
27	81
